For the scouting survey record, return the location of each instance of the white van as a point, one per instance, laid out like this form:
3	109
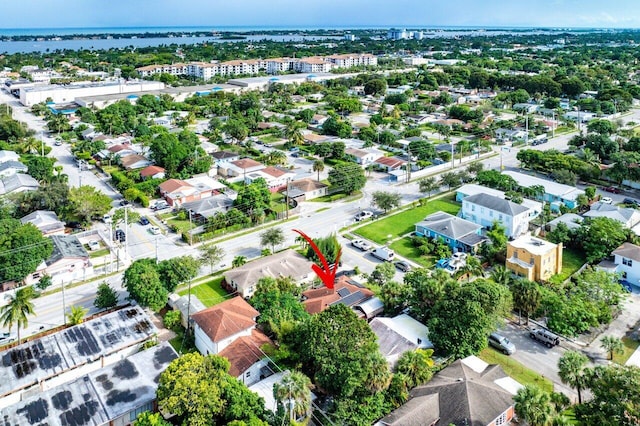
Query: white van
384	253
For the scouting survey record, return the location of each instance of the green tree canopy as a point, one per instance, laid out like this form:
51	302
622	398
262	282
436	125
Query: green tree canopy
347	178
106	297
142	281
87	202
22	249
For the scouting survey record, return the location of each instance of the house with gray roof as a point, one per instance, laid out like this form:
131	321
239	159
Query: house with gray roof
69	261
208	207
629	217
457	233
484	210
17	183
11	167
398	335
287	263
46	221
467	392
6	155
571	220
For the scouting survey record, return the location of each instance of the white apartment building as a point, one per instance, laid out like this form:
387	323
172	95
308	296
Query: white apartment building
173	69
484	209
353	60
314	64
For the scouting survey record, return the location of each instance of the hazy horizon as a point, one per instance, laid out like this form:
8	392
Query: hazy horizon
328	14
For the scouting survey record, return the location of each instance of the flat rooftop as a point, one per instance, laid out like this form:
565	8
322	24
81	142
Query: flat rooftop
285	78
533	245
49	356
85	85
173	91
98	397
550	187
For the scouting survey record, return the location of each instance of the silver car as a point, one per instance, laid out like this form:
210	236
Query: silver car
502	344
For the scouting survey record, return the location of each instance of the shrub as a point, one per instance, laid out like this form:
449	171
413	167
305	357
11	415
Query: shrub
171	319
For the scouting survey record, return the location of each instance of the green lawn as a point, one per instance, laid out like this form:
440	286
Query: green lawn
405	248
515	370
209	293
630	347
269	138
403	223
181	225
99	253
571	261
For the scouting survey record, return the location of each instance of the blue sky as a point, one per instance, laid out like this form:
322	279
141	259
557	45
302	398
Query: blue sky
324	13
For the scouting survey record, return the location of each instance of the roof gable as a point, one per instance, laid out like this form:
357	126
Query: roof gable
226	319
496	204
448	225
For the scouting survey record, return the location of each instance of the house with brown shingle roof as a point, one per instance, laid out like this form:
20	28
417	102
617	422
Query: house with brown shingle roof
216	328
240	167
312	138
247	360
345	291
276	177
134	162
177	191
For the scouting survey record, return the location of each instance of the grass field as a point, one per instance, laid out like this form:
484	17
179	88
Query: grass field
515	370
405	248
403	223
209	293
630	347
571	262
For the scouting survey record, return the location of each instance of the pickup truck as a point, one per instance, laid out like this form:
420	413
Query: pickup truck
361	244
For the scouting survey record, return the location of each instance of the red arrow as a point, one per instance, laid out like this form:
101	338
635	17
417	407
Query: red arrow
326	274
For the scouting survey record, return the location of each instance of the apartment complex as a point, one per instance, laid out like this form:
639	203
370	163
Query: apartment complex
533	258
207	70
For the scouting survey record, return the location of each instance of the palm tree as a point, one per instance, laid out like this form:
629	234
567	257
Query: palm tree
379	375
501	275
318	166
15	312
589	157
612	345
571	369
526	297
533	405
211	254
295	389
416	365
472	267
238	261
30	146
76	315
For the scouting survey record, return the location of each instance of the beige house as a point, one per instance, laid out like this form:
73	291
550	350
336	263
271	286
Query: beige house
287	263
533	258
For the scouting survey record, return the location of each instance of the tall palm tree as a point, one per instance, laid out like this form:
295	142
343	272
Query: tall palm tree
294	388
15	312
294	133
534	406
318	166
76	315
416	365
526	297
571	369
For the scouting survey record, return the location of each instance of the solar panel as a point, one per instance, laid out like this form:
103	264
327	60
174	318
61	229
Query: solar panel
343	292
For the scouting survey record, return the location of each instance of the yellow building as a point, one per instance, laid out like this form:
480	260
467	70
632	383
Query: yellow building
533	258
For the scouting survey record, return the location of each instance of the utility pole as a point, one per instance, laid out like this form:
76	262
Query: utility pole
156	249
126	228
553	124
526	130
64	305
453	158
409	165
287	198
190	233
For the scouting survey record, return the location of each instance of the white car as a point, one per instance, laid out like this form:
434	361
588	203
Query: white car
93	245
606	200
106	218
361	244
154	230
364	214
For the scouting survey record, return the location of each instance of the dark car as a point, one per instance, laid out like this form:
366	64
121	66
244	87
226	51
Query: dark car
124	203
630	201
119	235
402	265
612	189
143	221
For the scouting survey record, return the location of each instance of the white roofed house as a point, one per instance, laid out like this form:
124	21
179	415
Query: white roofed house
6	155
398	335
8	168
18	182
626	263
276	177
629	217
68	262
365	156
46	221
555	193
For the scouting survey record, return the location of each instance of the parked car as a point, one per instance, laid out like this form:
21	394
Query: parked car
143	221
6	338
154	230
502	344
402	265
383	253
361	244
106	218
606	200
160	205
364	214
545	337
119	235
93	245
612	189
124	203
295	155
58	142
630	201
